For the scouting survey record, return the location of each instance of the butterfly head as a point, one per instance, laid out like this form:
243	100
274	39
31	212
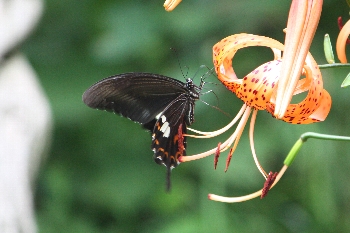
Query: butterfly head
193	89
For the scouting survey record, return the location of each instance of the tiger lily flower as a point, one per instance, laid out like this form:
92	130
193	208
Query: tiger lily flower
258	92
170	5
342	41
272	85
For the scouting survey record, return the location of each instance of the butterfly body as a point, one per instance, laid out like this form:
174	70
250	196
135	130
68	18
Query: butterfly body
161	104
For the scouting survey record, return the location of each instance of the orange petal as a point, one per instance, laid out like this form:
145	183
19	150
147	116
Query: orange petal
341	42
225	49
316	105
258	86
170	5
303	19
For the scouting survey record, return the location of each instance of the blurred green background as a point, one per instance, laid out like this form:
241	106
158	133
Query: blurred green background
99	175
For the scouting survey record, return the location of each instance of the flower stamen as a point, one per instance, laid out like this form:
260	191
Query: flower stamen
214	197
237	137
267	185
220	131
251	139
228	160
217	154
224	146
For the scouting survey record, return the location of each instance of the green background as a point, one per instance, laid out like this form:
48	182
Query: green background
99	175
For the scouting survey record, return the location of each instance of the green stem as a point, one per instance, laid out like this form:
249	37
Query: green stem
303	138
334	65
293	152
308	135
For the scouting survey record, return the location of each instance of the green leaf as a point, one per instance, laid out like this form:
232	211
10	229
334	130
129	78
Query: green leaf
328	51
346	81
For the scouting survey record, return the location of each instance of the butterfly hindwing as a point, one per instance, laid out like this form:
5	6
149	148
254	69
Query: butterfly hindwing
166	131
168	142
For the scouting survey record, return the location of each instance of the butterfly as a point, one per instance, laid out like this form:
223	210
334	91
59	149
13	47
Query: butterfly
161	104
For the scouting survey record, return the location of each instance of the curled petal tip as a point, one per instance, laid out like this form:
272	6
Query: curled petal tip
170	5
341	42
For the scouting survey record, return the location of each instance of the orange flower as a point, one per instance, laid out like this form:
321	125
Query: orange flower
258	91
272	85
258	88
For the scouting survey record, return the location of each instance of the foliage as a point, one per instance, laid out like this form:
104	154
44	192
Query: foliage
100	175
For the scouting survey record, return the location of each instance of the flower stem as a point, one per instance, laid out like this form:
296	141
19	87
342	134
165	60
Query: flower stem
321	136
304	137
334	65
293	152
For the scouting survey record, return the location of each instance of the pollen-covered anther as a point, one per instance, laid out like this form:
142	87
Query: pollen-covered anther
228	160
214	197
268	183
217	154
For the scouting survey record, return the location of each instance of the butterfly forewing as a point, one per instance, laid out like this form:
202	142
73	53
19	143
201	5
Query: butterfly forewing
138	96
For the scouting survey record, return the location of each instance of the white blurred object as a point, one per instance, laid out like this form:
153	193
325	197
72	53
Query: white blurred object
25	118
17	19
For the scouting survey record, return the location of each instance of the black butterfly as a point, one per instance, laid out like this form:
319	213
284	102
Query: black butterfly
161	104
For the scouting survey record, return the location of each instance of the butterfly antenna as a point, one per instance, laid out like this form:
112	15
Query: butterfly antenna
178	61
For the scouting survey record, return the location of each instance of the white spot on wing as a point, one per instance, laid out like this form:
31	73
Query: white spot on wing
167	132
165	129
163	119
